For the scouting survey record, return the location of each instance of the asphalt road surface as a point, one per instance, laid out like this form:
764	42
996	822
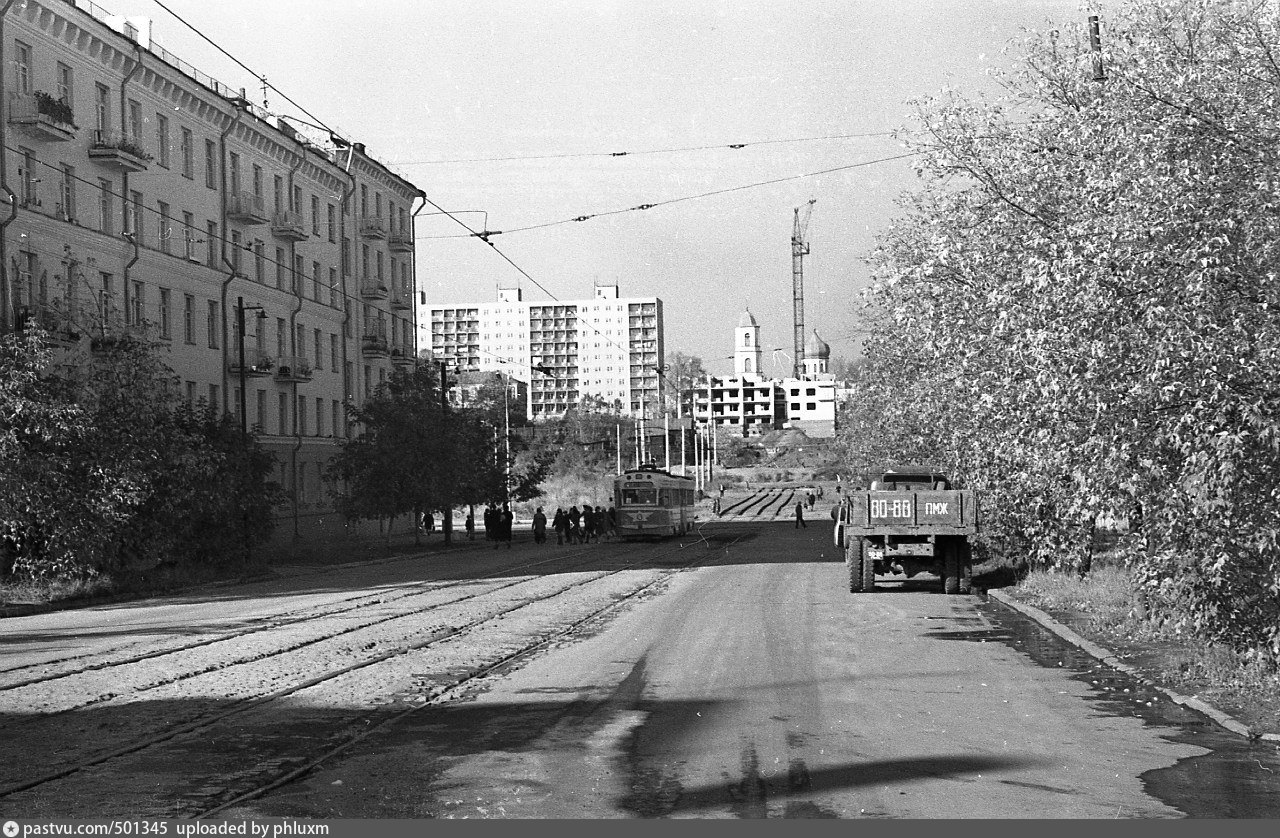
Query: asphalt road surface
728	676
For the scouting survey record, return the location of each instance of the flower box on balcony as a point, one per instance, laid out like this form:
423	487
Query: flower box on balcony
42	116
117	149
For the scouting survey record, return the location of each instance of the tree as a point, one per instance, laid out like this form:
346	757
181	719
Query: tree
682	376
107	471
1077	313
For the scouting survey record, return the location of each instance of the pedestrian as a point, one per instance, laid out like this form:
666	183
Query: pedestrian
812	500
539	527
611	522
597	522
588	523
504	525
800	516
819	493
429	522
560	524
471	525
489	523
575	525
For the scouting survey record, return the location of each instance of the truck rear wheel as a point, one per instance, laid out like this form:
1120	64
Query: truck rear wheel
964	581
868	569
855	555
951	568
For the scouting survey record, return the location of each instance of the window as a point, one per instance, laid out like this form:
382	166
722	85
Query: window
162	140
315	215
364	262
210	164
378	254
26	174
333	223
133	303
66	84
278	192
260	261
257	180
334	419
280	336
214	398
333	287
68	212
319	353
166	232
346	257
319	416
22	67
164	313
135	120
282	418
214	325
280	264
188	155
333	353
368	374
189	233
188	319
317	286
102	107
300	341
302	416
262	409
191	394
364	200
211	255
233	165
237	246
106	208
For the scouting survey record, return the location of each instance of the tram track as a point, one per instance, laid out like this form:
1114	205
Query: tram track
139	740
273	623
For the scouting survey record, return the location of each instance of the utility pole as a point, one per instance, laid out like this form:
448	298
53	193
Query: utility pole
447	513
799	249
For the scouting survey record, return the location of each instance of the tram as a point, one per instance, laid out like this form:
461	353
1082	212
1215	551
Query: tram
653	503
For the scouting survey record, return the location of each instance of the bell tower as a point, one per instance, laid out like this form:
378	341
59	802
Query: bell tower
747	354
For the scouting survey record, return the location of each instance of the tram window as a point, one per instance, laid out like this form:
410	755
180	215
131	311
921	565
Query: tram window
639	497
664	497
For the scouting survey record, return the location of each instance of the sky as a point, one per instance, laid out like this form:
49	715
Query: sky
439	90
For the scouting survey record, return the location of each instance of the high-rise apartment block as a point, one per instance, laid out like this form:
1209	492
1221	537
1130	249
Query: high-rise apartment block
607	348
153	200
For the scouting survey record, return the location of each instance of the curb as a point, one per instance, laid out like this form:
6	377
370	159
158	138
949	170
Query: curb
1105	656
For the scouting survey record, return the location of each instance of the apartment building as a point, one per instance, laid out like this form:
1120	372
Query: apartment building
155	200
608	348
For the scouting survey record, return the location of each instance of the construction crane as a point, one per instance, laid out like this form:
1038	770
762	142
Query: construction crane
799	249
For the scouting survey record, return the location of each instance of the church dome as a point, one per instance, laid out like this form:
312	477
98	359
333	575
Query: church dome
747	320
816	347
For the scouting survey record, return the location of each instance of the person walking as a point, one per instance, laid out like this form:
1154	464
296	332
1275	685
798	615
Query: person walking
800	516
588	523
471	525
489	523
611	522
560	524
504	525
539	527
575	525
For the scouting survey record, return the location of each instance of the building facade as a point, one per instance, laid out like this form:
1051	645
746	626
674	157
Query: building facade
607	348
749	404
153	200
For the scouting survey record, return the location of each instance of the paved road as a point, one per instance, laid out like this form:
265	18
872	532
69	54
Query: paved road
738	678
759	687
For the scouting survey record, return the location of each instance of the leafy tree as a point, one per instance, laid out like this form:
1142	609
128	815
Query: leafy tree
1077	313
682	376
105	470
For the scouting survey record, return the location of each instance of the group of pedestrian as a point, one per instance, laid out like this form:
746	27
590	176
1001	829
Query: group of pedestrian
497	525
586	525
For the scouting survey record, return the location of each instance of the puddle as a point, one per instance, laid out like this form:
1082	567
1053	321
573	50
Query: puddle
1237	778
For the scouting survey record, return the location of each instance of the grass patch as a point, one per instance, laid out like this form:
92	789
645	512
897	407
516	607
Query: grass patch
1105	595
36	591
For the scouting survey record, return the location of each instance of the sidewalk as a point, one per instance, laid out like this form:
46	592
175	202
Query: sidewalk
1109	658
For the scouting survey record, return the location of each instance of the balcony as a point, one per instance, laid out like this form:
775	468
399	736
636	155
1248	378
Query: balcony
400	242
114	148
257	363
247	208
372	227
288	225
374	289
42	116
402	356
375	346
291	368
402	301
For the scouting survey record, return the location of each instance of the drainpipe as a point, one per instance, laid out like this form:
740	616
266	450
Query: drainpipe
231	271
297	282
124	189
7	297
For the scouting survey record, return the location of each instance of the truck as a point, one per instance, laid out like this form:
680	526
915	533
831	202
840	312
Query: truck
909	521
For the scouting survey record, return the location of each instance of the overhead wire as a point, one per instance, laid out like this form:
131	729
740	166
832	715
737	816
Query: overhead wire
484	236
718	146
